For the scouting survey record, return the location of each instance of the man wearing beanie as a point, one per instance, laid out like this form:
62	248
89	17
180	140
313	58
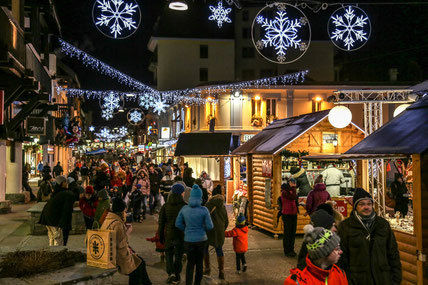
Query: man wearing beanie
127	260
370	252
195	221
323	252
88	205
170	235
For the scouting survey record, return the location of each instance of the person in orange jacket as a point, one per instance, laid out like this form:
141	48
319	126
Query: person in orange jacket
323	253
240	242
160	247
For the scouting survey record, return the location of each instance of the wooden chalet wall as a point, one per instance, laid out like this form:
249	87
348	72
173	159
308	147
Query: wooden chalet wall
423	171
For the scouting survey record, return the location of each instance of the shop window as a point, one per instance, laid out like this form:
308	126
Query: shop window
245	15
270	110
247	52
203	51
246	33
203	74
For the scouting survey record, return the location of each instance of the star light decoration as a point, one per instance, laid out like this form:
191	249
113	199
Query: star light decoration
349	28
220	14
91	128
116	19
282	33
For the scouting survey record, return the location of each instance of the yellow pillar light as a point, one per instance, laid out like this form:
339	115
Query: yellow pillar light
257	98
318	99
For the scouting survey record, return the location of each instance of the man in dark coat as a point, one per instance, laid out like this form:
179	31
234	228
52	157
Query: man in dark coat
399	190
57	213
57	170
216	237
172	236
102	179
155	178
370	253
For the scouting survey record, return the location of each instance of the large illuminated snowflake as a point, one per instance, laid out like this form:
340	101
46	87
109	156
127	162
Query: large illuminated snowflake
135	117
220	14
117	15
123	131
104	133
159	107
110	102
350	28
107	114
281	33
145	102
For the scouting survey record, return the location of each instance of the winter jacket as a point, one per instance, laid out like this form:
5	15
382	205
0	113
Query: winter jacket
76	189
207	183
219	218
126	259
137	199
313	275
143	180
166	183
287	202
154	182
240	238
128	179
57	170
316	197
168	232
58	210
332	176
160	246
195	221
102	206
301	181
88	207
45	190
101	180
373	260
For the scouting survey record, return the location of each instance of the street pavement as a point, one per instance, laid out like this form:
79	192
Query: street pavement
265	259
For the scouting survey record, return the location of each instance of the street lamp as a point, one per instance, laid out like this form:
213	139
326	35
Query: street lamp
179	5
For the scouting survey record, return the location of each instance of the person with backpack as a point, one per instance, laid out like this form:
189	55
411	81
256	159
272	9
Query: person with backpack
45	188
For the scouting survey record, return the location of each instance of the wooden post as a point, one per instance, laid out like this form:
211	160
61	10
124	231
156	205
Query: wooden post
417	213
250	188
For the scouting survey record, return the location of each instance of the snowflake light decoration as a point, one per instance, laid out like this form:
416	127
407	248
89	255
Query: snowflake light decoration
107	114
104	132
135	116
160	107
91	128
349	28
110	102
123	131
117	19
287	34
220	14
146	101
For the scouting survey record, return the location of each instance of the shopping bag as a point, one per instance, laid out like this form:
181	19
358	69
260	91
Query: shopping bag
101	248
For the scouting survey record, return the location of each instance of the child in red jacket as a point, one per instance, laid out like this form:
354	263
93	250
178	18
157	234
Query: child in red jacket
160	247
240	242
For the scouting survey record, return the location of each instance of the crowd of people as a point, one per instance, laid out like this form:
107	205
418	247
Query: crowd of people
193	219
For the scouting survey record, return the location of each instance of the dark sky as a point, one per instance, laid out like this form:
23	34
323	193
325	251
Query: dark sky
398	39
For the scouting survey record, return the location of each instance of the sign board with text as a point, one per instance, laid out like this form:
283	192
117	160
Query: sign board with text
341	207
35	126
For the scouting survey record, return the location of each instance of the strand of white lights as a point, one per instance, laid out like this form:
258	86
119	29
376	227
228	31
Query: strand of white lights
106	69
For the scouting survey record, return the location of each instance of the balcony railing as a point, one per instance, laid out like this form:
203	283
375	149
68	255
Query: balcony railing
12	43
40	72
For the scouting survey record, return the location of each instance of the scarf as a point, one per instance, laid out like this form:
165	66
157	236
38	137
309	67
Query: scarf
366	221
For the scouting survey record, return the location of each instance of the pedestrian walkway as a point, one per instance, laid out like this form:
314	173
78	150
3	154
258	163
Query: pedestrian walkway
265	259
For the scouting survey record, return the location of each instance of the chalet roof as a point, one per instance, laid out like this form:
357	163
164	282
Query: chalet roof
203	144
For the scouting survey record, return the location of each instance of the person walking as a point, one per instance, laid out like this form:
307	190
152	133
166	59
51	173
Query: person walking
216	237
171	235
45	188
57	170
40	168
288	209
370	252
240	242
57	213
88	205
127	260
195	221
399	190
142	178
166	183
25	184
136	199
317	196
154	177
323	253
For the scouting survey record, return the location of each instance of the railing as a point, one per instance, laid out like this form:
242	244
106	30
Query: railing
11	37
40	72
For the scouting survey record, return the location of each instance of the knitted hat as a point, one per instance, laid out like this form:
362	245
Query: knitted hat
196	192
321	218
89	189
118	205
326	207
60	179
216	190
320	242
240	220
103	194
177	188
361	194
138	186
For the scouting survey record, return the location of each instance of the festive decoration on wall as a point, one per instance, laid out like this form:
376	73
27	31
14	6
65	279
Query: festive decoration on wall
283	38
349	28
68	132
220	14
135	116
116	19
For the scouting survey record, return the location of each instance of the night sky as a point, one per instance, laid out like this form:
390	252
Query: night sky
398	39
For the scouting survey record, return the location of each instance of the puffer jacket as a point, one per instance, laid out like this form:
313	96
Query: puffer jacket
316	197
168	232
313	275
194	220
220	220
288	203
143	179
301	180
373	260
240	238
58	211
126	259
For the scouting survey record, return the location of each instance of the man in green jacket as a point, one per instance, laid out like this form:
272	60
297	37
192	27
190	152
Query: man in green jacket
370	253
103	205
172	236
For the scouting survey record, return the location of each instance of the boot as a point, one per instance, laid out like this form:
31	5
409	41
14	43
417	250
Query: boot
220	260
207	270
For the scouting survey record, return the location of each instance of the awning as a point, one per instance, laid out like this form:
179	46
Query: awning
203	144
96	152
334	157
